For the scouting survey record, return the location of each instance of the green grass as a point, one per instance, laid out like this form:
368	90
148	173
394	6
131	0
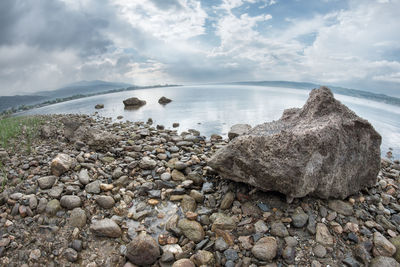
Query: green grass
3	177
15	131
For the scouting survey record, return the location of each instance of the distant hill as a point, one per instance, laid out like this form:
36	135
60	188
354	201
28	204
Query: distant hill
7	102
73	89
337	90
83	88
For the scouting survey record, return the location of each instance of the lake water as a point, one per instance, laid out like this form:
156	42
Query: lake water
215	108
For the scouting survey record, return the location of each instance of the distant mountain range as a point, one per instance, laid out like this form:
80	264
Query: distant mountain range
73	89
337	90
89	88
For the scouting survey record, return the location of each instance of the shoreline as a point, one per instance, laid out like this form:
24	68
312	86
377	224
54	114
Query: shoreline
152	179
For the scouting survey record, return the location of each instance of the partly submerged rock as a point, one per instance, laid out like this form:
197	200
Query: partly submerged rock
164	100
99	106
133	102
323	149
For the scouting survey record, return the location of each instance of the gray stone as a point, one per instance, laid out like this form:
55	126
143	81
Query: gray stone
323	149
47	181
188	204
71	255
183	263
84	177
323	236
146	163
382	246
299	218
70	202
143	250
191	229
52	207
382	261
94	138
133	102
319	251
105	227
279	229
341	207
77	218
220	244
106	202
238	129
231	254
61	163
227	201
164	100
56	192
93	187
265	249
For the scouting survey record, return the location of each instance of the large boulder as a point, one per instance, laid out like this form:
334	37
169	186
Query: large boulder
323	149
95	138
133	102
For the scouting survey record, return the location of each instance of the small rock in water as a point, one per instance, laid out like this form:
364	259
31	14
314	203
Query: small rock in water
99	106
163	100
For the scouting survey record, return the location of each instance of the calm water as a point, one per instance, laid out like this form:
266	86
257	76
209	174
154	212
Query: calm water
214	108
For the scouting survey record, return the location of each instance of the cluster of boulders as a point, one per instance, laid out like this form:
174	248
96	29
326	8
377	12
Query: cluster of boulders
134	102
144	195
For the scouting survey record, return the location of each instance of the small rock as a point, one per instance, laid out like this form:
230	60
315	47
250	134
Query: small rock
71	255
220	244
70	202
46	182
341	207
93	187
183	263
383	261
323	236
231	254
299	218
188	204
106	202
143	250
77	218
147	163
265	249
99	106
164	100
177	175
227	201
382	246
106	227
84	177
319	251
60	164
53	206
191	229
203	257
279	229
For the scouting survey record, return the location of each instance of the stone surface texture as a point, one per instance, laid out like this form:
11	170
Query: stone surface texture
323	149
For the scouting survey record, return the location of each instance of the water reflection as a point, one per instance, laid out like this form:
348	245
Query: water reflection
214	108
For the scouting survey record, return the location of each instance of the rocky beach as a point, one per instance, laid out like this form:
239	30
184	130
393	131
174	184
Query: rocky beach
94	192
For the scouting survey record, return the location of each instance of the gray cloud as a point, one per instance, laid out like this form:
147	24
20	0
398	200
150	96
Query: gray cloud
50	25
167	4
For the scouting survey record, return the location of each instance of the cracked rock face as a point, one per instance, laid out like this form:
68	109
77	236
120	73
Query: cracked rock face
323	149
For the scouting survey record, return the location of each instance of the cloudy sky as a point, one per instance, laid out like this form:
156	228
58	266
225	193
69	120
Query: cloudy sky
45	44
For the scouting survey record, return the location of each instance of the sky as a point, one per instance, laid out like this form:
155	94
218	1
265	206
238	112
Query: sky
45	44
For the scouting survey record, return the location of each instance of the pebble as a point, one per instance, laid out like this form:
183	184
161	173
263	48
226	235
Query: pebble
143	250
70	202
265	249
106	202
105	227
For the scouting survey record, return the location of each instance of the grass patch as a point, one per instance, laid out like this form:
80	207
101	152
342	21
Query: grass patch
15	131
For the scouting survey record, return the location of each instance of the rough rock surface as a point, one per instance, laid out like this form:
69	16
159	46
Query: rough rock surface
134	102
238	129
323	149
61	163
94	138
143	250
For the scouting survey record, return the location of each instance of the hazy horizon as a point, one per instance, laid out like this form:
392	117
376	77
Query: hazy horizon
47	44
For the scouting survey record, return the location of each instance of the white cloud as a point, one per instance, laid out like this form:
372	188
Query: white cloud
165	24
